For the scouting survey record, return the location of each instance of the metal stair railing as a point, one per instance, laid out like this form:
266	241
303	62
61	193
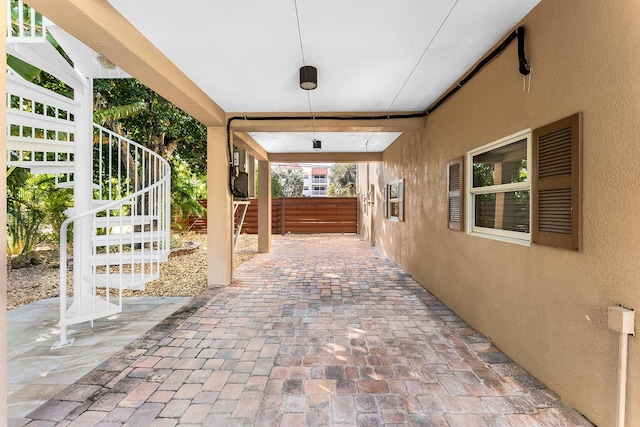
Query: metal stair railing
121	218
129	232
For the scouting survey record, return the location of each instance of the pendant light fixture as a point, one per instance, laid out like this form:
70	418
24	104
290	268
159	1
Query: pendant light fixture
308	77
317	145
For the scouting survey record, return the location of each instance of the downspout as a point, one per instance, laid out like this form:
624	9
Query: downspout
621	319
622	378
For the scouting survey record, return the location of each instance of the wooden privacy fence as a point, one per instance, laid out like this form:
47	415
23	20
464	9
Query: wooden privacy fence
197	224
300	215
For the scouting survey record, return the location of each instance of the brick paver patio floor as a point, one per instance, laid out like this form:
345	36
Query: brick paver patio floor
324	330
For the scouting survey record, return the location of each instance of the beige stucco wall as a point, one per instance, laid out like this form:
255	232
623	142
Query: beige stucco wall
546	308
367	177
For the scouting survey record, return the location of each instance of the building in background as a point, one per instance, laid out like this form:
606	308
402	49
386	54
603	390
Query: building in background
316	183
315	177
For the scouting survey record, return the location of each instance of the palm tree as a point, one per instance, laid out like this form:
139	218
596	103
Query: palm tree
342	180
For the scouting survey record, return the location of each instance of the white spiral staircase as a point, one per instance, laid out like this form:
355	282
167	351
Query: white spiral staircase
121	215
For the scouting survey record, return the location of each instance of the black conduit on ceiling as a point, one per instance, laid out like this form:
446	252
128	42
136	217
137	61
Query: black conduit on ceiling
523	67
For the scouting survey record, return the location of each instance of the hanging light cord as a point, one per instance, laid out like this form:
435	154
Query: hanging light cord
426	49
304	64
424	52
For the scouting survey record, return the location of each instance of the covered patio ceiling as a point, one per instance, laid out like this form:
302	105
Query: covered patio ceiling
373	57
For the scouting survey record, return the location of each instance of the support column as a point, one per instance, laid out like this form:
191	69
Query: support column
372	208
83	191
264	207
251	171
219	209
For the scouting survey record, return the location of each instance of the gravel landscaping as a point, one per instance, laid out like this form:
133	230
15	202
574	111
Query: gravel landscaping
183	275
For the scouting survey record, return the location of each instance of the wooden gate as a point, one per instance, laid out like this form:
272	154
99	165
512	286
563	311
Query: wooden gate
320	215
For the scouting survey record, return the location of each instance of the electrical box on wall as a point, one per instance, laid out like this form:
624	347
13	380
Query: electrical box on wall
241	185
621	319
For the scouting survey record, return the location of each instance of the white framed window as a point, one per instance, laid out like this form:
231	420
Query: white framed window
499	195
319	190
394	200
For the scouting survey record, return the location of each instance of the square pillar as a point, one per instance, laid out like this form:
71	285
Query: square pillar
264	207
219	209
251	171
83	191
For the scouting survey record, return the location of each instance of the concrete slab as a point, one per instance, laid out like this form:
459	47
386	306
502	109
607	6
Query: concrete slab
36	373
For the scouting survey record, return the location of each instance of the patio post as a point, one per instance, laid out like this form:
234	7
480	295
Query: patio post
83	195
251	171
264	206
219	209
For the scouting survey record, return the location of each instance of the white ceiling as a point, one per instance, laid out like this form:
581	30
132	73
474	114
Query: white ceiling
371	55
301	142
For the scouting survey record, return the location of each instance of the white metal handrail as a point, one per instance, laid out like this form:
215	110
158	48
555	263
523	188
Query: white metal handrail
136	236
116	204
121	214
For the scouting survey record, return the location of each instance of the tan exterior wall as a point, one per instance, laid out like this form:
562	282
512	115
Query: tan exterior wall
546	308
367	182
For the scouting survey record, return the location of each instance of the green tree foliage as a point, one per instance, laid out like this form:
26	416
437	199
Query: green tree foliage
161	126
276	188
290	180
24	217
131	109
24	70
342	180
39	77
114	114
187	188
34	210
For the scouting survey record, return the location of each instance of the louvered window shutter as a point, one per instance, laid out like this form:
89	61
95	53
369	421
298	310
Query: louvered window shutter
454	188
556	184
401	199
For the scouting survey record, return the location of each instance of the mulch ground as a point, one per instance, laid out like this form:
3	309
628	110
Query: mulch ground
183	275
